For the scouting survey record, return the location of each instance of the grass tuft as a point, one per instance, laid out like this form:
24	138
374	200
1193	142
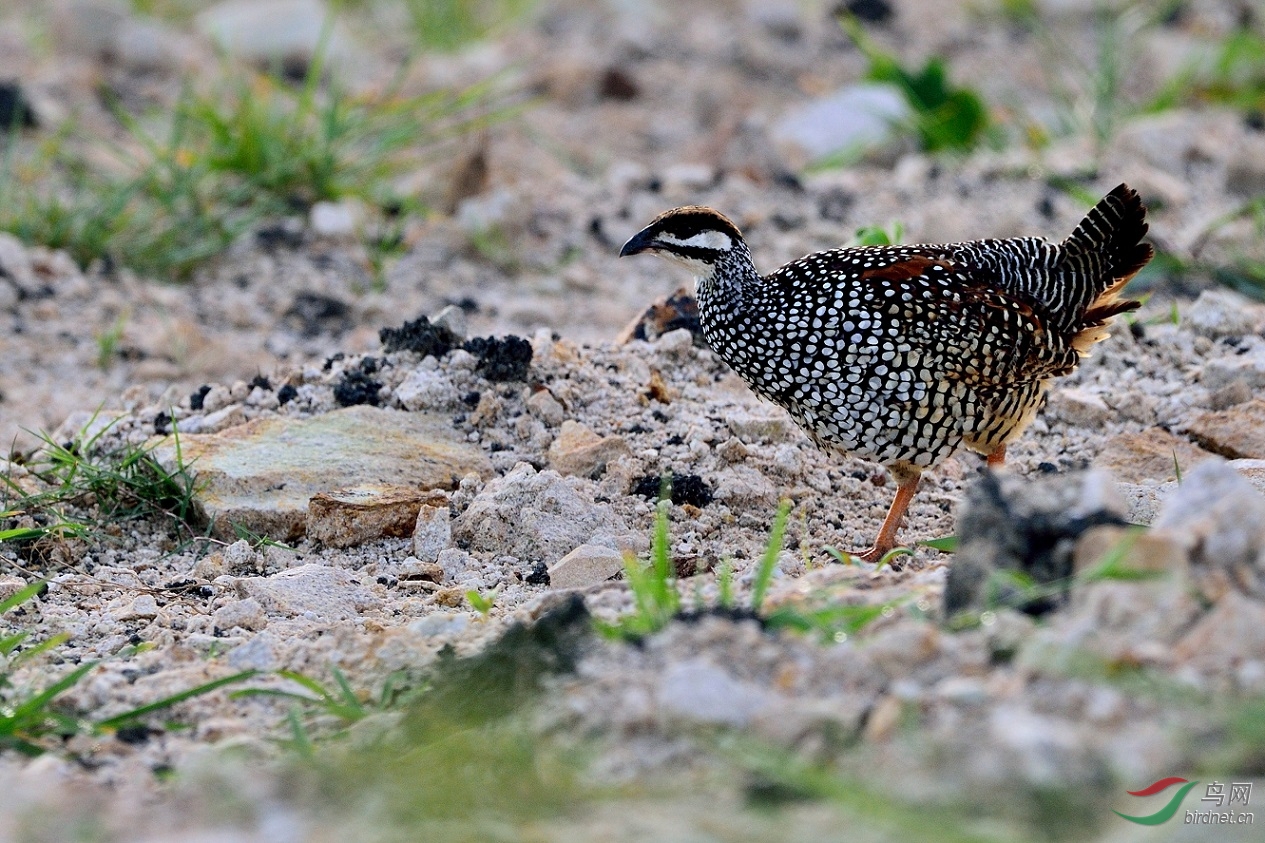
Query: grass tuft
449	24
116	483
768	562
250	148
877	235
32	719
946	117
653	586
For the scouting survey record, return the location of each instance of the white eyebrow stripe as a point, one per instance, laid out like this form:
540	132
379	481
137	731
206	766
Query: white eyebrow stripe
716	240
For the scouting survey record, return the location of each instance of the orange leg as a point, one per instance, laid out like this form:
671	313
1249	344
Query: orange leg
997	458
887	533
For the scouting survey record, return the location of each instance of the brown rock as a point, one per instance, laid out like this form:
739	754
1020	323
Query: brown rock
658	390
452	598
349	517
261	475
1149	455
1253	471
1158	552
883	719
1078	407
422	572
679	310
1231	634
587	565
580	451
545	407
432	529
1236	433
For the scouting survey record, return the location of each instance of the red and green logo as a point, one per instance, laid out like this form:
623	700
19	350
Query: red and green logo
1166	813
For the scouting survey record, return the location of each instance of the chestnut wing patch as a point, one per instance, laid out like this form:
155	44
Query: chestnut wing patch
904	270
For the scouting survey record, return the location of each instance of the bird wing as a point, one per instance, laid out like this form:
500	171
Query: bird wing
956	318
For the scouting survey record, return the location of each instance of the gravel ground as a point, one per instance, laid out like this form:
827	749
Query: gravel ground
640	107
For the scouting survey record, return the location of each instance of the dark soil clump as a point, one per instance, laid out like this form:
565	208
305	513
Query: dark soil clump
357	387
682	488
501	359
419	336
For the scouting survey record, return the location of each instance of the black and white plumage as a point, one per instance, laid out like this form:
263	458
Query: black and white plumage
904	354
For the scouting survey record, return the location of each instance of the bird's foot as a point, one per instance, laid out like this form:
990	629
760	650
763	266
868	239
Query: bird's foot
878	553
872	554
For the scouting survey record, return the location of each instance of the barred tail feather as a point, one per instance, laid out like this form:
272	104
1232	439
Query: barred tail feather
1100	258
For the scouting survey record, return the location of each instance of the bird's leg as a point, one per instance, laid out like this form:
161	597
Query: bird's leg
997	458
887	533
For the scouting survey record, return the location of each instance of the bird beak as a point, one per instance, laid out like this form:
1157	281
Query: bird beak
642	241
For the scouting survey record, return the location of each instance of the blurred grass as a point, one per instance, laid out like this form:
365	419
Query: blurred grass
449	24
945	116
250	147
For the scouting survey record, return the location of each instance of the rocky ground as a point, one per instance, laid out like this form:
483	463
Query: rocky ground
538	457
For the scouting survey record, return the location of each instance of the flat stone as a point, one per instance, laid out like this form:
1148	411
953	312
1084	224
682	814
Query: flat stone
580	451
681	179
1164	140
1237	432
440	624
1041	748
243	614
88	27
587	565
262	474
1222	313
268	31
144	607
1245	171
432	530
453	561
759	426
1079	407
10	586
849	120
336	219
1149	456
961	690
414	571
16	266
365	513
452	319
318	592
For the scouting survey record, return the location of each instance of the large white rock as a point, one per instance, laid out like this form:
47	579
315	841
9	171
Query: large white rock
852	118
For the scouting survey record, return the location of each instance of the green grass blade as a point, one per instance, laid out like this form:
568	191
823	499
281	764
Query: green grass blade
764	573
725	584
20	596
35	704
946	544
167	702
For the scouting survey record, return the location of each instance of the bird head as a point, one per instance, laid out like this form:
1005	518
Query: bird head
699	238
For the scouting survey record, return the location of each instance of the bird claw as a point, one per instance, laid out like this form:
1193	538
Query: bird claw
877	555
